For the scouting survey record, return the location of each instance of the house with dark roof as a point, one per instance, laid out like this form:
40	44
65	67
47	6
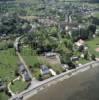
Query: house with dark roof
21	68
2	85
24	73
26	76
44	70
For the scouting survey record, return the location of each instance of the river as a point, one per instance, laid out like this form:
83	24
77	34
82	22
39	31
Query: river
83	86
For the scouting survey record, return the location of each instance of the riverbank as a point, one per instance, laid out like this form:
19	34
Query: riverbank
83	86
49	82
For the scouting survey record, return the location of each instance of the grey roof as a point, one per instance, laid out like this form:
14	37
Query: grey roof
21	68
2	87
26	76
45	69
74	58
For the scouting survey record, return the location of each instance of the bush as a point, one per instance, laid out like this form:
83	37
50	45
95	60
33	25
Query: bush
57	72
3	46
7	92
16	73
37	65
40	77
93	57
10	45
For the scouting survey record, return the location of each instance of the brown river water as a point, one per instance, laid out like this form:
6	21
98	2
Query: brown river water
83	86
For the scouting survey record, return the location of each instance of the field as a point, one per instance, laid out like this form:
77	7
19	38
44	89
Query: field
93	44
8	65
33	59
96	14
18	86
3	96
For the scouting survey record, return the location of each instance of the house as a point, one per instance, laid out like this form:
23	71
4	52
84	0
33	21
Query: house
97	32
24	73
65	66
50	54
26	76
44	70
21	68
2	86
79	45
74	58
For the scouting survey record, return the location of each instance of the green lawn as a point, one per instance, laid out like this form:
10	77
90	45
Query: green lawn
96	14
18	86
8	64
31	59
3	96
29	56
93	44
7	67
83	61
3	44
57	68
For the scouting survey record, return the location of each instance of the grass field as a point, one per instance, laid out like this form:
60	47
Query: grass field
7	67
93	44
18	86
8	64
3	96
83	61
29	55
31	59
96	14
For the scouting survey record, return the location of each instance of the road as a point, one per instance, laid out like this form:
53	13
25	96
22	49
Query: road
25	65
20	57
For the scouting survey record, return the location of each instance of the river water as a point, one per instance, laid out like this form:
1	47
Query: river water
83	86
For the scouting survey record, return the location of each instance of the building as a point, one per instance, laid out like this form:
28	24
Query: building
24	73
74	59
50	54
2	85
26	76
44	70
21	68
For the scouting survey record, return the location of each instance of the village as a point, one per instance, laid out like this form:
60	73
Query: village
58	38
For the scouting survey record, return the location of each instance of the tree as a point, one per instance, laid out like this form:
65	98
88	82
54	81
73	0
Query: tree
92	29
86	55
12	24
93	57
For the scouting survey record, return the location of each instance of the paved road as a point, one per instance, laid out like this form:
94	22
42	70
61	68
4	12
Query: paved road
25	65
20	57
